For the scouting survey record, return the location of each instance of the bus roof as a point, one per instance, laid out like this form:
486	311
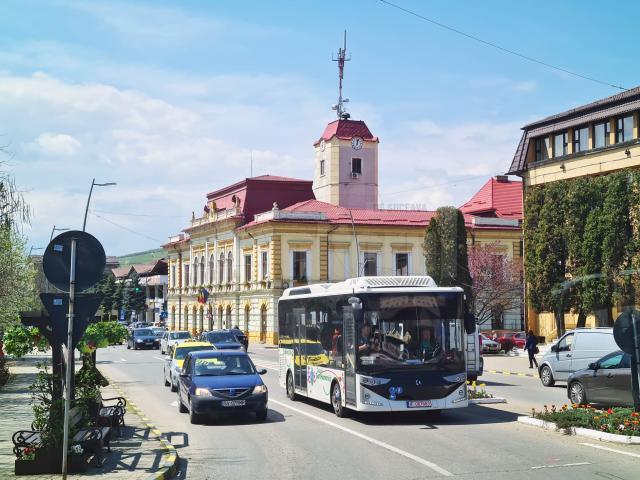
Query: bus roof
357	285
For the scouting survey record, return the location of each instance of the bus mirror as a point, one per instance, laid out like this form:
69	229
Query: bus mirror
355	302
469	323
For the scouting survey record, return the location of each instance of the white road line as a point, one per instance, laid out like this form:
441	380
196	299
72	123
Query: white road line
564	465
621	452
384	445
174	404
158	358
123	359
263	365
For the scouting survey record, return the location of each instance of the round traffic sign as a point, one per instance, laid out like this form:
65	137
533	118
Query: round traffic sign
90	260
623	331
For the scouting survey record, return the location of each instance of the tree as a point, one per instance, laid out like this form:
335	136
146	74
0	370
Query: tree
133	298
108	288
445	249
118	296
497	282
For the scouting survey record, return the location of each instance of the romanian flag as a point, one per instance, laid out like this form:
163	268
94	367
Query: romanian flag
203	295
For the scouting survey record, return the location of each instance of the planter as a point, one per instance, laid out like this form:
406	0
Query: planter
487	401
49	460
581	432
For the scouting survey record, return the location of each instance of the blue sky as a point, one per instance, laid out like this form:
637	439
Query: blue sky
171	99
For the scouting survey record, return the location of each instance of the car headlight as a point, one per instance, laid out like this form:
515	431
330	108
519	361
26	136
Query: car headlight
138	340
260	389
373	380
203	392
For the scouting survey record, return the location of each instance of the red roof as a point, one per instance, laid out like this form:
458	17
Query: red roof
501	198
346	130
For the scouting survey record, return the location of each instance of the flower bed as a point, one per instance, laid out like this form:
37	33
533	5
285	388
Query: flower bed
477	390
621	421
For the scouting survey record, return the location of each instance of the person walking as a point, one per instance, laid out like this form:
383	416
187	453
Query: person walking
531	346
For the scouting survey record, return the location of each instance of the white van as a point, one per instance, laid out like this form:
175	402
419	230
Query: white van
574	351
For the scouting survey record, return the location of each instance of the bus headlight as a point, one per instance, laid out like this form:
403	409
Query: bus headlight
202	392
373	380
260	389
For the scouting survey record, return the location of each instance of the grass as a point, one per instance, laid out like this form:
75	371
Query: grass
622	421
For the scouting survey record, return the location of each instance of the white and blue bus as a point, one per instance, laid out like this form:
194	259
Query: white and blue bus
374	344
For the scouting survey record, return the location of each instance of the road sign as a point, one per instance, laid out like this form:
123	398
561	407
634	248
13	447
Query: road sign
626	336
121	314
163	315
90	260
57	305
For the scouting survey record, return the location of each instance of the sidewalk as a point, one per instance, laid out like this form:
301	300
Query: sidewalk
514	363
140	453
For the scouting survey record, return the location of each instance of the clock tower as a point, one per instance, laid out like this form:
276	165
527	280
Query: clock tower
346	156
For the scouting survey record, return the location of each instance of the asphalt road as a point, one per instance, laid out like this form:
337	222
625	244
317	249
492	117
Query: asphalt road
304	439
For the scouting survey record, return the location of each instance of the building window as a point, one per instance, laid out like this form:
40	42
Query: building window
356	166
624	129
601	133
300	266
229	267
173	276
247	268
264	265
221	268
370	266
542	148
402	264
580	139
186	276
321	167
212	265
201	282
560	144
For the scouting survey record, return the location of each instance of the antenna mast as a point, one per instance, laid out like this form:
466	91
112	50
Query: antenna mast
342	57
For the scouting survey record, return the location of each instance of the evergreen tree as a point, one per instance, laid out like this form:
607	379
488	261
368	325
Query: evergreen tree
108	288
118	297
134	297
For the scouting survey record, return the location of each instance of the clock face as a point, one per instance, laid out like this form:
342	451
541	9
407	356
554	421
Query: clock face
322	146
356	143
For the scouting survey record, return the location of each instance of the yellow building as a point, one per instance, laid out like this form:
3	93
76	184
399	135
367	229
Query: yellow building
593	139
263	234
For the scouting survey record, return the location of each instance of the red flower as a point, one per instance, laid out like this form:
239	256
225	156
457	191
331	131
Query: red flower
610	411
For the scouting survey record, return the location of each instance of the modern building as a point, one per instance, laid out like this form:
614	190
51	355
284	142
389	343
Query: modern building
153	278
591	140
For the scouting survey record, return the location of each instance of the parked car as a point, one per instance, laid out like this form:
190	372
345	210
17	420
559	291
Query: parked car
173	361
169	339
488	345
222	339
158	331
221	382
142	338
606	382
519	339
507	340
574	351
242	338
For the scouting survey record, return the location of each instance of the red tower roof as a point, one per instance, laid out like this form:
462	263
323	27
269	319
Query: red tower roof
346	130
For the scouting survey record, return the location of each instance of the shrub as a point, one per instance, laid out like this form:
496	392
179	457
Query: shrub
623	421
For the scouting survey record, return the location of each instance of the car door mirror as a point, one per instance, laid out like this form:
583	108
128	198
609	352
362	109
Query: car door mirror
167	358
593	366
469	323
262	371
554	348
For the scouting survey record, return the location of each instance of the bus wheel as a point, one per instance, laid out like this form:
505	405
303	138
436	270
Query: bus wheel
291	391
336	401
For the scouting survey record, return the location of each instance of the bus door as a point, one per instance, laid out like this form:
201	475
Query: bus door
349	337
300	350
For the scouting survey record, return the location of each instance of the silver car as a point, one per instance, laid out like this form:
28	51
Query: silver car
169	339
574	351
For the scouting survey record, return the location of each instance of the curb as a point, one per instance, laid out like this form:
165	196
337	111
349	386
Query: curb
169	468
581	432
487	401
517	374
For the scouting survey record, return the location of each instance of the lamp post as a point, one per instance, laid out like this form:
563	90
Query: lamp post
86	210
56	229
34	248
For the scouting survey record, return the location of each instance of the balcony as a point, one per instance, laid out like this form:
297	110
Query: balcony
215	216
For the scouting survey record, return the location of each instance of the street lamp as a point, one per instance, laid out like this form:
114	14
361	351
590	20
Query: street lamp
34	248
86	210
56	229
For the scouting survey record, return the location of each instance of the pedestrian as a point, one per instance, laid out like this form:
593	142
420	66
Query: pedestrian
532	348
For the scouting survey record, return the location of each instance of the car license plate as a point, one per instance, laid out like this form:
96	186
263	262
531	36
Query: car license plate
418	403
234	403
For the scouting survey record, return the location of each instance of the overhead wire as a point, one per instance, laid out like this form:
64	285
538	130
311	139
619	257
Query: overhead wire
499	47
125	228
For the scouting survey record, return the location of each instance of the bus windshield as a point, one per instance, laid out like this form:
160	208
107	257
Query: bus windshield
410	330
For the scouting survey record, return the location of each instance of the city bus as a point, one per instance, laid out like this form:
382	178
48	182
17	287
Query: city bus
375	344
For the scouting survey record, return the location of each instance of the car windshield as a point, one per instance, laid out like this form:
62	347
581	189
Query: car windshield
179	335
143	332
181	352
224	365
400	331
221	337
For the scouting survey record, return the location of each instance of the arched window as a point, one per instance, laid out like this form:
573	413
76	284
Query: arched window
202	270
228	317
221	268
212	265
229	267
220	314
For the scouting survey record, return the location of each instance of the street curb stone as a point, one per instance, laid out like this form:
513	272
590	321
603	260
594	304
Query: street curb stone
517	374
487	401
581	432
170	465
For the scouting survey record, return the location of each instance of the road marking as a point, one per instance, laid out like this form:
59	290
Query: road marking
564	465
267	366
175	403
621	452
123	359
384	445
158	358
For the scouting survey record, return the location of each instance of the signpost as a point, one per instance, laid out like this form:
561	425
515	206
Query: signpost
626	332
73	262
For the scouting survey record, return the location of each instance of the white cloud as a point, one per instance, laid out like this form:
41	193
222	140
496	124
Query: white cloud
57	144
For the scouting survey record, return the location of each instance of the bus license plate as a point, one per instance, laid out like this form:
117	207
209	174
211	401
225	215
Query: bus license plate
418	403
234	403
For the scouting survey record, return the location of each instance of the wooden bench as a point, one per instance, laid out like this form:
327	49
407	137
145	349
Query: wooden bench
111	414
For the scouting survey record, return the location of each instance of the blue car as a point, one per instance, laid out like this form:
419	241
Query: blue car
215	382
222	339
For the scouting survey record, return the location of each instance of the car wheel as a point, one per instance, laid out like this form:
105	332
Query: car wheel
181	407
546	376
336	401
194	418
166	382
261	415
291	391
577	393
174	387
